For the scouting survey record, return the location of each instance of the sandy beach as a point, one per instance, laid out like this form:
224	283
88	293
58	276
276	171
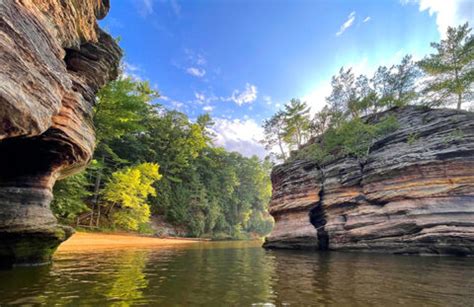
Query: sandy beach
89	241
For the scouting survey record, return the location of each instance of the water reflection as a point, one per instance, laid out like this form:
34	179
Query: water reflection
239	273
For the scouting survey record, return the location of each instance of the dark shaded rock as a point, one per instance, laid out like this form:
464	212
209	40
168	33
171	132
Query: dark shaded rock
413	194
54	60
296	188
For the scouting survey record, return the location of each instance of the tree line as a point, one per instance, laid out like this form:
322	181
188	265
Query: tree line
153	161
444	78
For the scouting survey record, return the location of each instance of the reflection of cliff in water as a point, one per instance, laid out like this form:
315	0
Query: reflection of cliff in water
346	278
239	273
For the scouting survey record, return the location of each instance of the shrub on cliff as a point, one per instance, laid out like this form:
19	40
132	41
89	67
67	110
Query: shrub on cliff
351	138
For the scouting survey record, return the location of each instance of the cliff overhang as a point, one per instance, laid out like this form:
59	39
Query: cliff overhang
54	60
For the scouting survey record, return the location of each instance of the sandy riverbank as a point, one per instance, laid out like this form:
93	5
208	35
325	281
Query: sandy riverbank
90	241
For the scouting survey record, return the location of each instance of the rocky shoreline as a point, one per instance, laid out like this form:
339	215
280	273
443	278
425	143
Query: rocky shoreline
412	194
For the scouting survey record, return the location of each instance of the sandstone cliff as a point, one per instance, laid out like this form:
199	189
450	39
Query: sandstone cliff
54	58
413	194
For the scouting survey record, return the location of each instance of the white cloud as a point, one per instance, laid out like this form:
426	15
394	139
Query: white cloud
200	60
208	108
177	104
367	19
202	98
238	135
347	24
248	95
132	71
448	13
268	100
199	96
196	71
146	7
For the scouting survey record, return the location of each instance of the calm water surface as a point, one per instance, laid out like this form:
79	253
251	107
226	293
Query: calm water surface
240	274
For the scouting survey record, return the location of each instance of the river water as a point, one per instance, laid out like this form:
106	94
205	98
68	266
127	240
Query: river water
239	274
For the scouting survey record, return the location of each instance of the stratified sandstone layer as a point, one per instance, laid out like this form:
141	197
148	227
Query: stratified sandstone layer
54	58
413	194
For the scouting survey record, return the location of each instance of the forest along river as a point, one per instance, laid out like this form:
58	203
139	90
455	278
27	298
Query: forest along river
239	273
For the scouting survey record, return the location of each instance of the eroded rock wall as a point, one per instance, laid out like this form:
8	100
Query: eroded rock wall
413	194
54	58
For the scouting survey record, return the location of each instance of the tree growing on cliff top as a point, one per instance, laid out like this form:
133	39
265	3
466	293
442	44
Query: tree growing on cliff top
274	129
297	123
451	69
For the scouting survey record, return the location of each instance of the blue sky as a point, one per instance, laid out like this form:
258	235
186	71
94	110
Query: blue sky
242	60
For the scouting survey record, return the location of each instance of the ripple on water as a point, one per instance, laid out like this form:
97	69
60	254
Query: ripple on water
241	274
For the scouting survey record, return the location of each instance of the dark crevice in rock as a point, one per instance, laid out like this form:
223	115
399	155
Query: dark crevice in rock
317	217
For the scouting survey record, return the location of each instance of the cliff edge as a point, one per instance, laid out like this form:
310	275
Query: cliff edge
54	59
412	194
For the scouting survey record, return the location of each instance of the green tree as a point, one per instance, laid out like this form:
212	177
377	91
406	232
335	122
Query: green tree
343	98
451	69
321	121
404	77
274	130
127	193
384	88
297	123
70	196
121	106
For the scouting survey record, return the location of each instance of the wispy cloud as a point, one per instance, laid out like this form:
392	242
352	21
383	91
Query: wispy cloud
200	96
268	100
248	95
144	7
204	99
239	135
195	63
132	71
448	13
367	19
347	24
196	72
208	108
175	104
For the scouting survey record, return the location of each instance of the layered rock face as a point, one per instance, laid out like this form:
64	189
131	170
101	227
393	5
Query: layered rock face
54	58
413	194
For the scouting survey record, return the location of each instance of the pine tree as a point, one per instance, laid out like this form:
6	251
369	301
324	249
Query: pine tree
297	123
274	128
451	69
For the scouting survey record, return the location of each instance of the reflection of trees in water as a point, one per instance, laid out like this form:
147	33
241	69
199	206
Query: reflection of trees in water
92	278
127	279
213	276
235	274
24	285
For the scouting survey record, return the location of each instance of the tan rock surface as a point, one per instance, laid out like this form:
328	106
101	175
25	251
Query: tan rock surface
412	196
54	58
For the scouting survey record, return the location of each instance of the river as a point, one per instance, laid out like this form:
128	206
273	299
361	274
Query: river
239	274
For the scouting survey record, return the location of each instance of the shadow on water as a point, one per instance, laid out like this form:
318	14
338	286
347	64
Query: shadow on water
240	273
